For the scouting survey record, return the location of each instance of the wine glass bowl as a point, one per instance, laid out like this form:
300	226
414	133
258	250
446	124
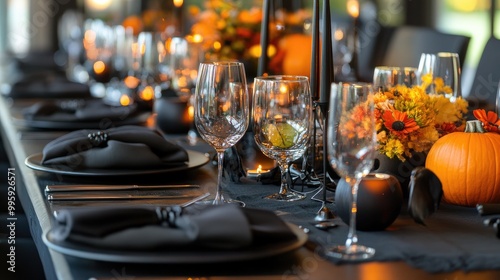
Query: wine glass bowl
221	111
351	136
447	67
282	123
386	77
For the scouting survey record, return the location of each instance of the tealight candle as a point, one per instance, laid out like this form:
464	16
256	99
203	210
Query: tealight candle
255	173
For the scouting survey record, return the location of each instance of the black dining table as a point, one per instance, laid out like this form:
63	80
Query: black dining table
454	243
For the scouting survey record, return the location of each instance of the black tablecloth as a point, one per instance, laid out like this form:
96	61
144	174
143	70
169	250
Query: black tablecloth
454	238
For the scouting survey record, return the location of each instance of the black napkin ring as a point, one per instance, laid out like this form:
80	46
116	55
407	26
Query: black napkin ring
168	215
98	139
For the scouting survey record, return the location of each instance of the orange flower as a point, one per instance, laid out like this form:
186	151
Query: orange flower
490	120
446	128
398	122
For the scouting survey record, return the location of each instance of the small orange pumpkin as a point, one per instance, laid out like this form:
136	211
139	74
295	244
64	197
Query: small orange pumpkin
468	165
297	54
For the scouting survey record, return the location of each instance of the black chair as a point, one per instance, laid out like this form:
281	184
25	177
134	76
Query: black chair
402	46
484	87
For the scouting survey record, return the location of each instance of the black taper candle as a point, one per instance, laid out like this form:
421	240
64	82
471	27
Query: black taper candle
264	38
315	52
326	73
355	51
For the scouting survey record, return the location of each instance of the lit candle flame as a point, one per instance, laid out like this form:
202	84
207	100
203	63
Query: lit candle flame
259	169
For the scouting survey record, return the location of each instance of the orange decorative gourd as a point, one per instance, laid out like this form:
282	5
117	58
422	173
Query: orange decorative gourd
468	165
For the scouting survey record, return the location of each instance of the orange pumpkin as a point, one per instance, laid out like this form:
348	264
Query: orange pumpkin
297	54
468	165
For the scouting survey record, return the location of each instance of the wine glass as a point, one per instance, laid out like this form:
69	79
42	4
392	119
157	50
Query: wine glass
426	67
352	141
221	111
386	77
448	68
282	123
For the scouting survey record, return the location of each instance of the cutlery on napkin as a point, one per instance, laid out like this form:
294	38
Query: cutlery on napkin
119	192
195	227
121	147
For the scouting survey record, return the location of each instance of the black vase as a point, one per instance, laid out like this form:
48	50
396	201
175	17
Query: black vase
172	115
399	169
379	201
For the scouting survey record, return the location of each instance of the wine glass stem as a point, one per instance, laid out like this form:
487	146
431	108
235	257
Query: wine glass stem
352	237
284	183
219	197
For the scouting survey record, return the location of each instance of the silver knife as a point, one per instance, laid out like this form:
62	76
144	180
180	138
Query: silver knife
58	196
67	188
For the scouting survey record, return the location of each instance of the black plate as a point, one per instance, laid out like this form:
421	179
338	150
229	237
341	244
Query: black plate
196	159
176	257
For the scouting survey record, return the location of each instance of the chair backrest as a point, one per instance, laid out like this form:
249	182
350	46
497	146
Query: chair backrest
407	43
484	87
402	46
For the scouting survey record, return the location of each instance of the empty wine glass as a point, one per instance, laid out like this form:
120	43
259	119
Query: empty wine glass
447	67
386	77
426	67
352	141
282	123
221	111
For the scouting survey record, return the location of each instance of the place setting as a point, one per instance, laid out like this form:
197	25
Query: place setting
120	151
181	234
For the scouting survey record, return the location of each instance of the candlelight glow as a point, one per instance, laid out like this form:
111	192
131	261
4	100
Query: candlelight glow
125	100
255	51
191	112
353	8
131	81
147	93
197	38
283	89
99	67
259	169
178	3
217	45
98	5
338	35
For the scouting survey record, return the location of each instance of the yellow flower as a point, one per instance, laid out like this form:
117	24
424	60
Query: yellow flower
440	87
409	120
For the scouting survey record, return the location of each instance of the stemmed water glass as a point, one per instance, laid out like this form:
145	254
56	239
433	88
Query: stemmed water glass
448	68
221	111
352	141
282	123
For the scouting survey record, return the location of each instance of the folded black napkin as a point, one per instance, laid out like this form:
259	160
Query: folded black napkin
121	147
223	227
78	110
48	85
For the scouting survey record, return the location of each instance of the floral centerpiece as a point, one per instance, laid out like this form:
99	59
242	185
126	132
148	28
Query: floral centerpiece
230	32
410	120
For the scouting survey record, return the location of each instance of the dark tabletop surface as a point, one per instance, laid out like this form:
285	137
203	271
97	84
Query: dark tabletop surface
453	245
